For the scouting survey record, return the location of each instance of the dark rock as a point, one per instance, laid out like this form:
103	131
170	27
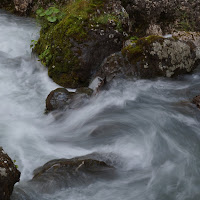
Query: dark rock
151	57
60	98
9	175
62	173
196	101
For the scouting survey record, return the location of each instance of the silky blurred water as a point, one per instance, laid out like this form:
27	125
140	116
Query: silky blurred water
147	128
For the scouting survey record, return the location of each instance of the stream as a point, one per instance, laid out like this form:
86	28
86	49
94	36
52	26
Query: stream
147	128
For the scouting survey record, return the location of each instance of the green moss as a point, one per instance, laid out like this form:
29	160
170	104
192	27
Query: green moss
136	51
109	18
56	42
184	22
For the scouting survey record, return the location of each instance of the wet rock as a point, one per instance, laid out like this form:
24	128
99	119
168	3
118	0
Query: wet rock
62	173
58	99
61	98
151	57
196	101
9	175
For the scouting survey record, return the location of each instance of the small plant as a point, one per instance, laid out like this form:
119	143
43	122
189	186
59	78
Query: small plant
33	43
45	56
134	38
14	161
109	18
184	23
52	14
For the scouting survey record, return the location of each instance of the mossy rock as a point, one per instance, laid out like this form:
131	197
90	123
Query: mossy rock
151	57
74	48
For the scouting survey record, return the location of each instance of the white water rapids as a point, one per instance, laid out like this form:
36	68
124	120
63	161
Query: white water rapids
147	128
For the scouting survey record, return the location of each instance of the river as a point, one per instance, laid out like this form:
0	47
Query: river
147	128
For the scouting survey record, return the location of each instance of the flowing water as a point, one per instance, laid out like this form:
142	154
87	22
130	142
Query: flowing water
148	129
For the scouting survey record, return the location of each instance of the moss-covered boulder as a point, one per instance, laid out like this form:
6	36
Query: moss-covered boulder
9	175
151	57
73	48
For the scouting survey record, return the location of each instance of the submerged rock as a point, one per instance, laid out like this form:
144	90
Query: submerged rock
196	101
151	57
61	173
61	98
9	175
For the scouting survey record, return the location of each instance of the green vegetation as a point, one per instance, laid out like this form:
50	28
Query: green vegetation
33	43
134	38
184	23
51	15
135	52
56	44
14	161
109	18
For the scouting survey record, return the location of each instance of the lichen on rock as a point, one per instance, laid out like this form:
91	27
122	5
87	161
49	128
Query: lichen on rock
151	57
